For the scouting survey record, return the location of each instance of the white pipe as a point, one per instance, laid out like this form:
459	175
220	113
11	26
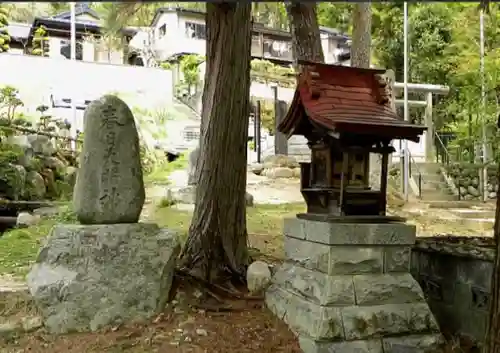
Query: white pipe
406	168
73	58
483	103
422	87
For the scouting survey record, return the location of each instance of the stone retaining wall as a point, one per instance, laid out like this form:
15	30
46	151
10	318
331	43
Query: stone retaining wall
455	274
466	178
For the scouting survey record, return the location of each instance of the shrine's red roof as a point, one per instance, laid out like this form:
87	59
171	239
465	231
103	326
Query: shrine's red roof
346	99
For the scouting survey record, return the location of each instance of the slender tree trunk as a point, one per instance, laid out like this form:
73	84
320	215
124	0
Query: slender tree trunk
492	338
304	27
361	35
217	241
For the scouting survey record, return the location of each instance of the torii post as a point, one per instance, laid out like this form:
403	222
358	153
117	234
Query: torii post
429	90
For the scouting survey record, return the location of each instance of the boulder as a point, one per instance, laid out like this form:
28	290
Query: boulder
280	160
70	174
41	144
36	184
26	219
109	186
55	164
256	168
192	162
279	172
258	277
90	276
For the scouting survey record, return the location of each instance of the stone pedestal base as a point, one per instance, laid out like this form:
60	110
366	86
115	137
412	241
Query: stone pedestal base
347	288
90	276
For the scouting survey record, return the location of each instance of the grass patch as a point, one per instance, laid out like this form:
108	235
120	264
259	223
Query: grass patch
264	224
19	247
160	174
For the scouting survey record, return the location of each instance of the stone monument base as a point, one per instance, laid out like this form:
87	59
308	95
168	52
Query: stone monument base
347	288
187	195
90	276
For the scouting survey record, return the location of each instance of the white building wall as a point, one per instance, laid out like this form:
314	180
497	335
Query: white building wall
39	77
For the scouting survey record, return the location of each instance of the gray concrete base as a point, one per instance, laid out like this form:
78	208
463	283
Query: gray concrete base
347	288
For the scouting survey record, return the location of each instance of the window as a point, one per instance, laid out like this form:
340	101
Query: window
278	49
162	30
66	49
196	30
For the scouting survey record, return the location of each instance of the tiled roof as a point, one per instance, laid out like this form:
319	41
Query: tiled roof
342	98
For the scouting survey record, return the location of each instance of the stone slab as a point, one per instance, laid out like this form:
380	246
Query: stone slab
90	276
387	289
317	287
413	344
308	345
397	259
335	259
362	322
349	233
304	317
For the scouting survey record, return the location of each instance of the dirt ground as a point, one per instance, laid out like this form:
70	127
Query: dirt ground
185	326
234	326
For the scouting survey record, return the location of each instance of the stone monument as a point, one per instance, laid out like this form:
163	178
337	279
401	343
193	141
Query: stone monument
187	194
109	269
345	285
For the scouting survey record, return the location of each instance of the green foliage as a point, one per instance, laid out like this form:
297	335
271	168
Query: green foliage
9	102
4	33
266	72
189	66
40	46
266	113
162	171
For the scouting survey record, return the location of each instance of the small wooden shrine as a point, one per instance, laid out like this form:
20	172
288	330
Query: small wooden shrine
346	114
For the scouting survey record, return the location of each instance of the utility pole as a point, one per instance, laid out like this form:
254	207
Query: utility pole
406	158
73	59
484	181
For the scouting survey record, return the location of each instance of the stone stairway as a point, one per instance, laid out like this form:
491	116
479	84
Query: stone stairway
433	184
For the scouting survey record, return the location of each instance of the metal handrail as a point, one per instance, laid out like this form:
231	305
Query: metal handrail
419	174
441	148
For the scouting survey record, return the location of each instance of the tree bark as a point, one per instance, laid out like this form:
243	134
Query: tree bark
304	27
361	35
492	339
217	241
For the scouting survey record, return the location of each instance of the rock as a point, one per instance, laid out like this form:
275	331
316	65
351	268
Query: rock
46	212
192	162
9	328
55	164
50	182
258	277
492	195
248	199
36	184
279	172
256	168
475	182
70	174
41	144
280	160
21	141
31	323
473	191
462	190
90	276
201	332
18	183
296	172
26	219
109	186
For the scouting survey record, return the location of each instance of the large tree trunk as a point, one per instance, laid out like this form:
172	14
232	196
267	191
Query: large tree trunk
304	26
361	35
492	339
217	241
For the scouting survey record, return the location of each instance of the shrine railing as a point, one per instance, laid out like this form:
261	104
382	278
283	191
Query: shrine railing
442	153
415	174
